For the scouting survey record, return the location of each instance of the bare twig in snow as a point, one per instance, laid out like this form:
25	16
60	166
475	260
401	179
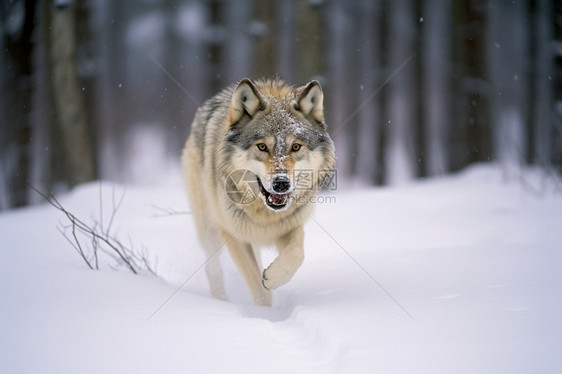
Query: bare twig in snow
166	212
100	237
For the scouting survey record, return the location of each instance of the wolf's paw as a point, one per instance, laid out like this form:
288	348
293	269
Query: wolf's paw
276	275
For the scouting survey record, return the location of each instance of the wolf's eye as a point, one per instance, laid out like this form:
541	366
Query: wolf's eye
296	147
262	147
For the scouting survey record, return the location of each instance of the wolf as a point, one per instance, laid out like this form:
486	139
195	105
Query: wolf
257	153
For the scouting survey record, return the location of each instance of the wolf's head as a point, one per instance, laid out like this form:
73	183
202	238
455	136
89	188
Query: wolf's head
278	133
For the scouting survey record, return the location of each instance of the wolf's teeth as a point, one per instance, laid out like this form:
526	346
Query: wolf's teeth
270	199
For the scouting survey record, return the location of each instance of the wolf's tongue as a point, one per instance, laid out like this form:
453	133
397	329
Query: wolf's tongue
278	199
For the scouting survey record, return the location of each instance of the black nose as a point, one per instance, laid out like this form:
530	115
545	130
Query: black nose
281	184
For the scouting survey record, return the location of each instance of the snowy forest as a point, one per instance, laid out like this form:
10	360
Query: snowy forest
99	89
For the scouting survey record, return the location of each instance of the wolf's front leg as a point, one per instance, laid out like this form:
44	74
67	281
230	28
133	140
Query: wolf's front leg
291	256
243	256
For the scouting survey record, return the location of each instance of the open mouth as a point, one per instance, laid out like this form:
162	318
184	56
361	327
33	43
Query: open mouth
272	200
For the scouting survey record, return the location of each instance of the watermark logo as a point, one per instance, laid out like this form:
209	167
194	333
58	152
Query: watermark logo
304	180
328	180
242	186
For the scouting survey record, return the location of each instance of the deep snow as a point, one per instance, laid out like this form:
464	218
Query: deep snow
474	258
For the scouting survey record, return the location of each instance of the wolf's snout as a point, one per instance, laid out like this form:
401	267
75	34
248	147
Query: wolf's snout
281	184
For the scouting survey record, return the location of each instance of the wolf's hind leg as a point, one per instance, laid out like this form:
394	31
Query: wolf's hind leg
243	256
291	256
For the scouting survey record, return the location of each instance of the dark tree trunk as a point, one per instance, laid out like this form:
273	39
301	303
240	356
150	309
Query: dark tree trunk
368	116
400	152
286	47
310	42
216	46
508	52
339	103
543	86
436	77
264	31
17	94
71	116
110	92
239	50
470	136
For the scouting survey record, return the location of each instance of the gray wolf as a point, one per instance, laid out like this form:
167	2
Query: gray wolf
250	148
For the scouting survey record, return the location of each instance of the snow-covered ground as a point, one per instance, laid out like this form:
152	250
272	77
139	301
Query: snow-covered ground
461	274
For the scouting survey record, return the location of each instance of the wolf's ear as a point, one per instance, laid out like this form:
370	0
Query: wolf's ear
246	100
311	101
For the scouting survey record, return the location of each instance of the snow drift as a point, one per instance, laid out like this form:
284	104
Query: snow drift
459	274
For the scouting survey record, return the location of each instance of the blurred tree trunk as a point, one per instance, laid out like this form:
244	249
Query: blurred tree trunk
287	34
470	135
109	20
508	51
71	115
17	95
216	45
368	117
400	151
264	31
173	107
543	63
555	133
239	49
436	74
339	102
309	43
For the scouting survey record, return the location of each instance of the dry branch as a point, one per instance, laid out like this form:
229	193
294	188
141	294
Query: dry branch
100	237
